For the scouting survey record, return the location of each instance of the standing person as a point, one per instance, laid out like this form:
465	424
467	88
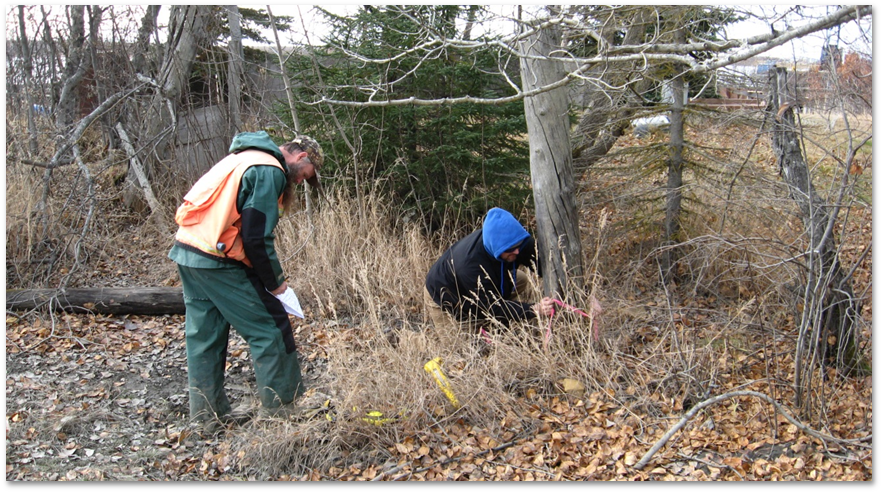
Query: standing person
477	278
226	257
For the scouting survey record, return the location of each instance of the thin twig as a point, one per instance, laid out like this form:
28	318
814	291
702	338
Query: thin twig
550	474
711	464
714	400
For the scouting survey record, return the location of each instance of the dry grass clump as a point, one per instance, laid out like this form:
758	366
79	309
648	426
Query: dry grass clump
361	269
276	447
355	259
362	272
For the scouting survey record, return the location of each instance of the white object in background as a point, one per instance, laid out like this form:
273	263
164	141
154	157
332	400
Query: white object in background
644	126
290	302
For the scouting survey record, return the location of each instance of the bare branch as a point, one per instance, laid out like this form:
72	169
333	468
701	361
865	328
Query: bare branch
742	393
646	52
83	124
141	174
841	16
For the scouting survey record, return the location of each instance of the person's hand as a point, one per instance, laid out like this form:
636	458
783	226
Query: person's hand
543	307
281	289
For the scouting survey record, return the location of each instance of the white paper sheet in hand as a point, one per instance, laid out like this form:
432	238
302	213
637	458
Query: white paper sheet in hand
290	302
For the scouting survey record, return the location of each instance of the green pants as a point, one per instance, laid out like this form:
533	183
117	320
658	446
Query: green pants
215	299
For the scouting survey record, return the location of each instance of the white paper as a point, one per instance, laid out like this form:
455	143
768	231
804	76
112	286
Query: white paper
290	302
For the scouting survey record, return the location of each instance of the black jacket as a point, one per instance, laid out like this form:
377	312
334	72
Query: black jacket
469	283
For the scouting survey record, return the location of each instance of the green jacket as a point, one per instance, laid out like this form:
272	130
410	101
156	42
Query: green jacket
258	202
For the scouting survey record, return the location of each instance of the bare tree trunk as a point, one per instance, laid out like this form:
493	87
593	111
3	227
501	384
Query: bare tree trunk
188	33
470	21
28	69
143	182
52	57
828	329
290	94
608	113
234	77
551	166
675	173
99	82
140	60
74	70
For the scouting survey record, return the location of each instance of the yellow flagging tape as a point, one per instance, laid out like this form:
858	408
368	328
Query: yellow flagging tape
376	418
433	367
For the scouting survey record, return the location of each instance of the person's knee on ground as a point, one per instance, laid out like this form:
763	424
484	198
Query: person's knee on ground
525	291
436	314
441	319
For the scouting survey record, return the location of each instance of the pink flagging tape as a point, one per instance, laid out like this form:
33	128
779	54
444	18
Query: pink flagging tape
486	336
572	309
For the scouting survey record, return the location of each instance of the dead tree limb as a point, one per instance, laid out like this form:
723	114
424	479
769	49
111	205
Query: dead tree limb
143	181
744	393
113	301
829	330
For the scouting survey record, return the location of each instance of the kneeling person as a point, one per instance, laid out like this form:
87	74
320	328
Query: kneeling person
478	277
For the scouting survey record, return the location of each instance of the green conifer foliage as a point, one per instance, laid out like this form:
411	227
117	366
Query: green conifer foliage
439	161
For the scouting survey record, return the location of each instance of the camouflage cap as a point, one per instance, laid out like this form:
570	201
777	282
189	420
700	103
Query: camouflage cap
314	152
312	148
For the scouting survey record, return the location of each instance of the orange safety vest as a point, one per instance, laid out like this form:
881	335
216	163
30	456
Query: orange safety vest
209	216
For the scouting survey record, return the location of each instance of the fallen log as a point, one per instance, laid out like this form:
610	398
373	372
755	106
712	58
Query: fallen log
113	301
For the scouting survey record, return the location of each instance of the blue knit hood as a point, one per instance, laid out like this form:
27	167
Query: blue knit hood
502	231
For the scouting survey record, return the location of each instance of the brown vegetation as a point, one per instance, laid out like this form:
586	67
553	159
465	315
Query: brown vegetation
103	397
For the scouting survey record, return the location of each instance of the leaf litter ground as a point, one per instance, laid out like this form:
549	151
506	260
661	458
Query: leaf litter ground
91	397
104	399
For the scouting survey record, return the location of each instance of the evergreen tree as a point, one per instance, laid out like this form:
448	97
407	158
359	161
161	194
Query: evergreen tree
438	161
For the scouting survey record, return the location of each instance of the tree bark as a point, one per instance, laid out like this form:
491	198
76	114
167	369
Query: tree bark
551	166
829	324
234	75
74	70
140	57
54	58
113	301
188	33
143	182
28	69
674	187
608	111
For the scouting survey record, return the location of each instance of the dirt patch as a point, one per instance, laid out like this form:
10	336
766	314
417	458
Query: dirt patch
81	409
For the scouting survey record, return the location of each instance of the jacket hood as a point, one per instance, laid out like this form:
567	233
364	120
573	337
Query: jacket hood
260	141
502	231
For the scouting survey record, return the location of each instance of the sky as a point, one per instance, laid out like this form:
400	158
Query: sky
809	47
804	48
849	36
